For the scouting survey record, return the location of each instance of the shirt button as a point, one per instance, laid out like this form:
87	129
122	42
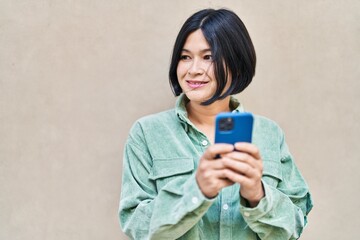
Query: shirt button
246	214
225	206
195	200
204	142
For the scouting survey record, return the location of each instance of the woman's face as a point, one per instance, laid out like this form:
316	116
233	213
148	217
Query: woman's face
195	69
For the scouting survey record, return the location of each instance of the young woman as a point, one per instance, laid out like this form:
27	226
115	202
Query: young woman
175	185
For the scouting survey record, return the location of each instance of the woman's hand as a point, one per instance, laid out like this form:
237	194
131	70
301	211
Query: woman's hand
245	167
210	174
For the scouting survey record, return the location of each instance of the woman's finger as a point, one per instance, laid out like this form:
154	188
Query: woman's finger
217	149
239	167
243	157
248	148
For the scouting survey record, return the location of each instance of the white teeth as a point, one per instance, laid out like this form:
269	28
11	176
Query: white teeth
198	83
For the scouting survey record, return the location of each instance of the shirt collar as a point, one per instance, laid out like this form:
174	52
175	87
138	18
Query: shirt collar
180	109
235	105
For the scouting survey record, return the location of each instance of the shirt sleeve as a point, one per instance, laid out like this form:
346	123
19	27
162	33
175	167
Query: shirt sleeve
282	213
148	213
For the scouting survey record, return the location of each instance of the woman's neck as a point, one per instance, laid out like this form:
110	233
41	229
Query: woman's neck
203	117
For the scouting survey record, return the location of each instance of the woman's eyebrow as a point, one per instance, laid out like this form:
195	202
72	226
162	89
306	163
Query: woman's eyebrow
201	51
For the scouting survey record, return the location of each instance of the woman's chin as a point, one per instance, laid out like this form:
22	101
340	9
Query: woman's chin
197	97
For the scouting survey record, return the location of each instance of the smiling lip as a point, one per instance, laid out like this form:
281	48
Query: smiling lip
196	84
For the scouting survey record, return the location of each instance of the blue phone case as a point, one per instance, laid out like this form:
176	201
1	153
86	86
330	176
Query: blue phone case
233	127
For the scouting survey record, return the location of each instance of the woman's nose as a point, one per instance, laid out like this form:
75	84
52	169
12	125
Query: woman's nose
196	68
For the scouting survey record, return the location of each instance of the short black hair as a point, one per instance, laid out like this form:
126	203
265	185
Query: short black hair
231	48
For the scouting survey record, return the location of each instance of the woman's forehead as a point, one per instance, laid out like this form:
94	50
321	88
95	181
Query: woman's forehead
196	42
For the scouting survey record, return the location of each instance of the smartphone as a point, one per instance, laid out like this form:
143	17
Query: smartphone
233	127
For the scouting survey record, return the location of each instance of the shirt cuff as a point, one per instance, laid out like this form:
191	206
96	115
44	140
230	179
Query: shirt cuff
264	206
193	197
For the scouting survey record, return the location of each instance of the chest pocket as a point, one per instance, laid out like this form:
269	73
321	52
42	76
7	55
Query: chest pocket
169	174
272	172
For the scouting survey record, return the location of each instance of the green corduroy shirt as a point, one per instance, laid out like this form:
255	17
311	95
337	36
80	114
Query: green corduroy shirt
160	198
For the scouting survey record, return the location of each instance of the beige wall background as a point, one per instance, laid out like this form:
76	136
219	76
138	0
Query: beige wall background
75	75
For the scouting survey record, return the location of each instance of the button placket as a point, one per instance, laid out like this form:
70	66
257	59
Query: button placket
225	214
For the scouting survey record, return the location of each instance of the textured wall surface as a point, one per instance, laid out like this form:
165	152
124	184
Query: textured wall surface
74	76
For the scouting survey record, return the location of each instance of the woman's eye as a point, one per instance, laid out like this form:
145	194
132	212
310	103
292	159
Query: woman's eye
208	57
184	57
